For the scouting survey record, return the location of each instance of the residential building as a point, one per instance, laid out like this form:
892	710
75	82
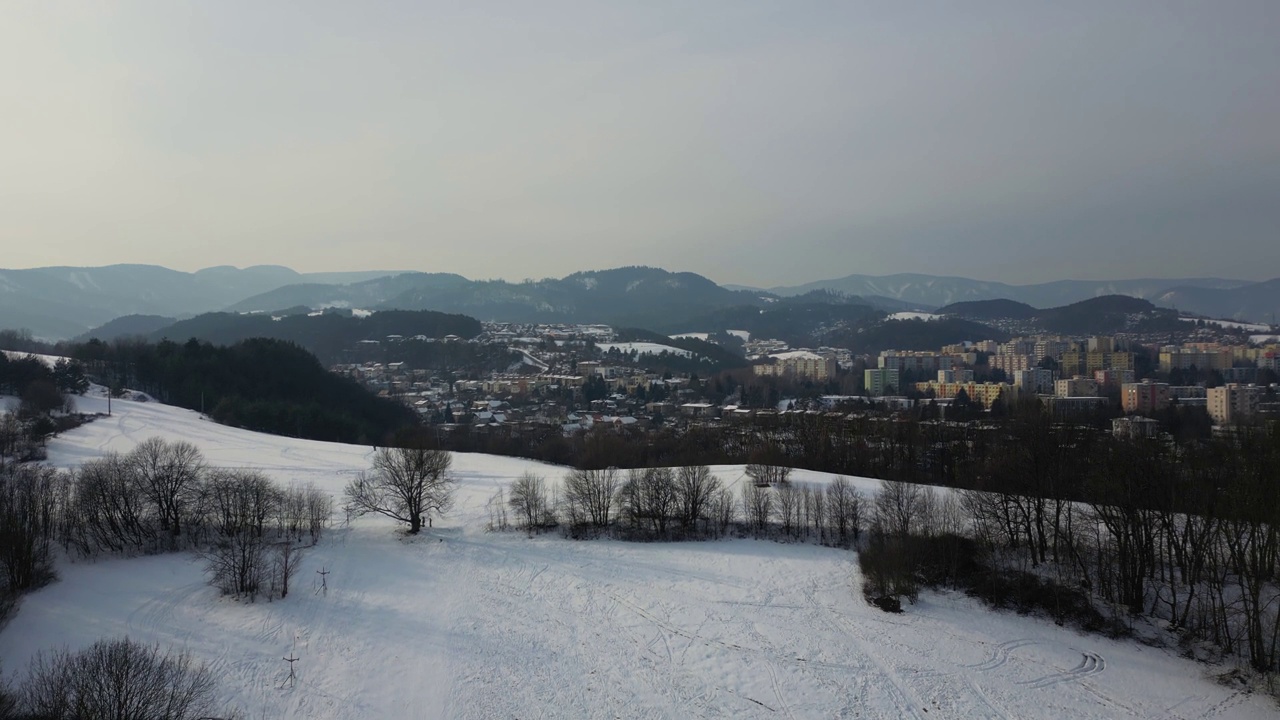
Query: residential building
1078	386
956	375
1087	362
1037	381
1112	379
1185	358
880	381
1134	427
981	393
1234	402
799	364
1011	363
1144	397
922	362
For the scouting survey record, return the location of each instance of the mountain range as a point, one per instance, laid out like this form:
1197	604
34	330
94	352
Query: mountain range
64	302
1211	297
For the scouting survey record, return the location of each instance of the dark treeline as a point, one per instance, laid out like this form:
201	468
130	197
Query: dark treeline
330	335
45	404
258	384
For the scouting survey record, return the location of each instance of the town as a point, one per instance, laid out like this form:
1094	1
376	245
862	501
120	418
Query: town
580	377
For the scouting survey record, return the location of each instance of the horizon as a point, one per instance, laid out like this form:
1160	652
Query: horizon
1241	280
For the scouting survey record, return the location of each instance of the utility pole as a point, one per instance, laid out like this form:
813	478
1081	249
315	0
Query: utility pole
324	580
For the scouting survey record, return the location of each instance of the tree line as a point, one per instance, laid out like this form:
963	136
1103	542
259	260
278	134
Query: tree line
45	404
160	497
258	384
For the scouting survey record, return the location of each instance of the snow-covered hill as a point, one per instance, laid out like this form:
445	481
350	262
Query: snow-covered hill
463	623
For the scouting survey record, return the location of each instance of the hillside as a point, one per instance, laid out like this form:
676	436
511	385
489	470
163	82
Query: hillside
1107	315
127	326
798	323
914	335
330	336
462	622
989	309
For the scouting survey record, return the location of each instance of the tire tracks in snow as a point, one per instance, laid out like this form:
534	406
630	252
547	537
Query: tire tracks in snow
1000	655
907	700
1090	664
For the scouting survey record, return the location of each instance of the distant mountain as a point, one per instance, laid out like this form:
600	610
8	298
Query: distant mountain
1247	300
1106	315
989	310
1096	316
630	296
127	326
62	302
1257	302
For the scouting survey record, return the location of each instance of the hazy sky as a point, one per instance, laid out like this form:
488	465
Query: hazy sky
753	142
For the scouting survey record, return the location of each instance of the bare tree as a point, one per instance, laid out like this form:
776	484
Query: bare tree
757	506
169	474
723	509
107	509
788	501
287	560
28	503
649	499
844	510
407	484
117	679
529	500
589	495
899	507
764	475
695	487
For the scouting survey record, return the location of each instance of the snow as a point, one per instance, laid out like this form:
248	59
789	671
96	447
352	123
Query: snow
692	335
357	312
744	334
796	355
1230	324
49	360
644	348
914	316
1263	339
459	622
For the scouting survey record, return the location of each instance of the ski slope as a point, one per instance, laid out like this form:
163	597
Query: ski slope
462	623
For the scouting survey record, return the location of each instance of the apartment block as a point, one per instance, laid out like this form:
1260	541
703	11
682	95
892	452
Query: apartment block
1144	397
800	364
1078	386
1112	378
922	362
1234	402
982	393
1038	381
1011	363
880	381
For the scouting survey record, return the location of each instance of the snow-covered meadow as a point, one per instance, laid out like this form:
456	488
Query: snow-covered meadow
460	622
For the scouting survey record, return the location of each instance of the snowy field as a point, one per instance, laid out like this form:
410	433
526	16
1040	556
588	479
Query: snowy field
1230	324
914	316
644	348
463	623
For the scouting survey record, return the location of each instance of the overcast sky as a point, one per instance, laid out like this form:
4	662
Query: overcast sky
753	142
